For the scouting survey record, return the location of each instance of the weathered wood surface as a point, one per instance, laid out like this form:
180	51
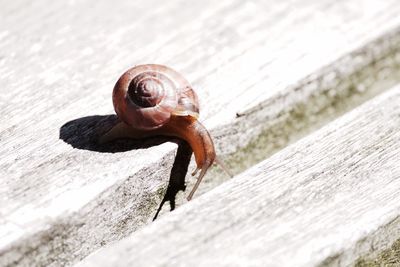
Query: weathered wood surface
59	62
323	201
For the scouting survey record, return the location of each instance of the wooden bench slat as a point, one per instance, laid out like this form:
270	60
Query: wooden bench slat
59	62
327	199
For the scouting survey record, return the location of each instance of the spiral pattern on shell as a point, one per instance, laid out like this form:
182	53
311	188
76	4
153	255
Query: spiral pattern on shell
146	96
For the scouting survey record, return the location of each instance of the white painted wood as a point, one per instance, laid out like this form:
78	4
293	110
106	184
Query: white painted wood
59	61
325	200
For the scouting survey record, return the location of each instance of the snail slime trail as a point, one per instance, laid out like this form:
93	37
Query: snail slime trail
153	100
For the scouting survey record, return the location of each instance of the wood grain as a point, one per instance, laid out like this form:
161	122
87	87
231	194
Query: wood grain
62	196
323	201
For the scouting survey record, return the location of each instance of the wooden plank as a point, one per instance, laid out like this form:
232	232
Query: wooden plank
59	62
323	201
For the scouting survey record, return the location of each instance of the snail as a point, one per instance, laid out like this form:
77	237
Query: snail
152	100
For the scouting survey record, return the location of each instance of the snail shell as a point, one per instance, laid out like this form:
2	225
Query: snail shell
146	96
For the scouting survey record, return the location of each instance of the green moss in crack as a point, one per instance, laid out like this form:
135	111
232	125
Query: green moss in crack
334	97
150	202
160	193
389	258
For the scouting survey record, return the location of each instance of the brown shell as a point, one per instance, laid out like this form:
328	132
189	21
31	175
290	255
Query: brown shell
146	96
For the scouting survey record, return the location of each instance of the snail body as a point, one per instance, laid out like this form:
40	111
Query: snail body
153	100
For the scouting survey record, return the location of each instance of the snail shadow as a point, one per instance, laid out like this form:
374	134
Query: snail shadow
84	133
